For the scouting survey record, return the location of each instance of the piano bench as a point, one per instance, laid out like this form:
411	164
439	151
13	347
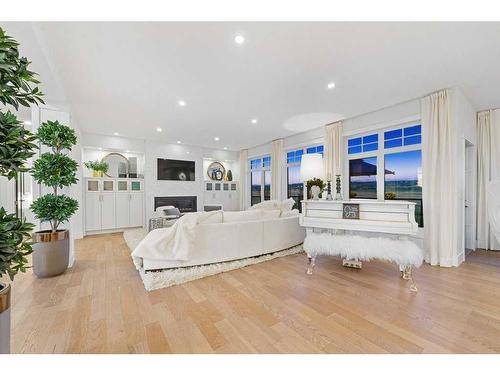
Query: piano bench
403	252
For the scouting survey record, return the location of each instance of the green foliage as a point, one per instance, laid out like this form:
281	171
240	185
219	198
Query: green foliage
16	145
98	166
390	195
14	244
56	136
54	208
55	170
17	82
316	181
17	87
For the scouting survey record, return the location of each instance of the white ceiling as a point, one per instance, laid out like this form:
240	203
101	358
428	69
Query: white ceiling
128	77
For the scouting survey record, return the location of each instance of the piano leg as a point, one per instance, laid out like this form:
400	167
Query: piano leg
407	274
312	263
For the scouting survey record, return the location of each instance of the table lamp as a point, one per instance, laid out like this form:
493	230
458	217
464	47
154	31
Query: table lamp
311	167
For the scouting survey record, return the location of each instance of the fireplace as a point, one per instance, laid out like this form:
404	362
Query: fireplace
183	203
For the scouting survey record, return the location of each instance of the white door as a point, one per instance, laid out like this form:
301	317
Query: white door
136	209
469	195
108	211
122	210
92	211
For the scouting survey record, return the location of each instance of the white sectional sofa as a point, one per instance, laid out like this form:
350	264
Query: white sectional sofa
238	235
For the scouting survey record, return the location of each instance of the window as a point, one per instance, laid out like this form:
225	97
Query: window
295	187
366	143
260	180
397	163
363	178
403	179
403	137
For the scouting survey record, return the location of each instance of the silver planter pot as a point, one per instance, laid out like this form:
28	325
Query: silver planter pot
4	318
50	253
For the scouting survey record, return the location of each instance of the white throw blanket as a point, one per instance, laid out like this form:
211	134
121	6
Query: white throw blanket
173	243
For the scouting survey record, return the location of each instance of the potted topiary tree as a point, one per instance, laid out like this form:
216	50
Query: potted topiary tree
16	146
56	170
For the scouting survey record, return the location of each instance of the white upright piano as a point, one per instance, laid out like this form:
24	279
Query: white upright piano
359	230
391	216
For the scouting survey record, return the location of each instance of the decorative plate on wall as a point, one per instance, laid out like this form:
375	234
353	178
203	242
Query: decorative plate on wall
216	171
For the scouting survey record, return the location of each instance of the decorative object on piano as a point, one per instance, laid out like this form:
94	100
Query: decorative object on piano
329	191
338	188
355	248
311	168
229	175
216	171
315	187
350	211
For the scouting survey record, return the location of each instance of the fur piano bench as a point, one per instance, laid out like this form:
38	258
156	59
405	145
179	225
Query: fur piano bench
353	249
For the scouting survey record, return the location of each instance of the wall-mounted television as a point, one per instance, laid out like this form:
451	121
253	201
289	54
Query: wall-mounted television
176	170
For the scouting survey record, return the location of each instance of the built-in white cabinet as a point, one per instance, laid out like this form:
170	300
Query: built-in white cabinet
224	193
113	204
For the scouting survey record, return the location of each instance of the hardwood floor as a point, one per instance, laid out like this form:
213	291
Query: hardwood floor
100	306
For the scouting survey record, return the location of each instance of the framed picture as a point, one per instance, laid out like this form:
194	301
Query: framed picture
350	211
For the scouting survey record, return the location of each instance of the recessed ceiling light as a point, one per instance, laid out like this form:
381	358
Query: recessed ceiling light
239	39
116	133
181	103
225	148
178	142
100	148
27	122
187	152
159	130
217	139
254	121
331	85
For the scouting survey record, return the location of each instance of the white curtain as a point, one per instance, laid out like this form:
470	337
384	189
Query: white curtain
438	173
333	150
277	157
243	179
488	165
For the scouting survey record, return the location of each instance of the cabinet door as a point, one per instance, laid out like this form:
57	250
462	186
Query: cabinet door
92	211
93	185
122	210
136	209
108	211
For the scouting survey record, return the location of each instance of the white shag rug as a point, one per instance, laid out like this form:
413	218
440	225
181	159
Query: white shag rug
161	279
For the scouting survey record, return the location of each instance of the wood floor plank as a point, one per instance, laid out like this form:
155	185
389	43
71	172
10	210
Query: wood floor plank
100	306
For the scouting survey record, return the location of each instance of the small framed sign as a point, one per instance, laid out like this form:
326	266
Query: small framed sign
350	211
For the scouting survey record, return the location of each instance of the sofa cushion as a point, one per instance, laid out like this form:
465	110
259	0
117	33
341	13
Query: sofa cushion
211	217
267	205
285	205
238	216
291	213
269	214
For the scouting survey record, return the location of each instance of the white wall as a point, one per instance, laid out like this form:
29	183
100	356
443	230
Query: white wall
152	150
